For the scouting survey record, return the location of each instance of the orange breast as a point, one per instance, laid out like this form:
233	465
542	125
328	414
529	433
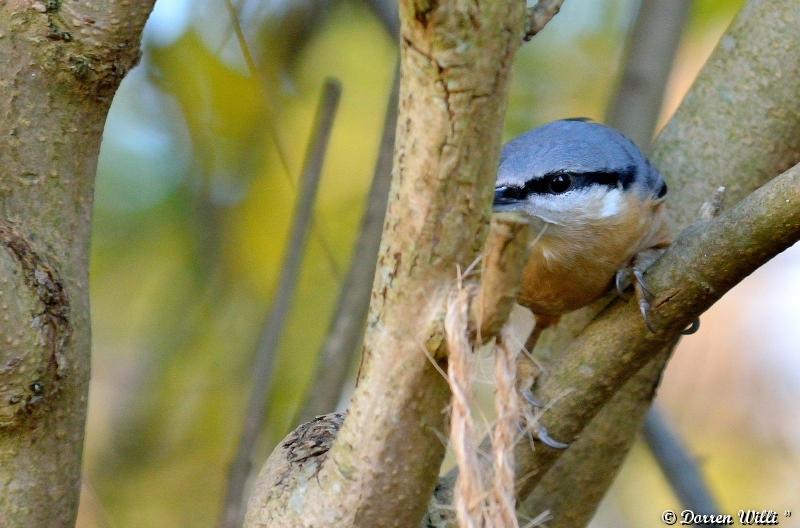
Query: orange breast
571	267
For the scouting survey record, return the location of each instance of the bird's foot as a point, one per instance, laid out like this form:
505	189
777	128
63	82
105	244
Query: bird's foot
530	421
644	294
622	281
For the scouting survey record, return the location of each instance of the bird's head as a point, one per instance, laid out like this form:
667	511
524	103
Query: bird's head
572	173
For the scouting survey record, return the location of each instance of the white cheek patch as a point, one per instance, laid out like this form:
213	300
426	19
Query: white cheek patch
612	204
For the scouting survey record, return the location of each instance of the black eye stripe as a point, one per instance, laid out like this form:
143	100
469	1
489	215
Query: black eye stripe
580	180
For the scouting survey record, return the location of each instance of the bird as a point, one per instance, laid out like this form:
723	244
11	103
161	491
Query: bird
597	208
596	204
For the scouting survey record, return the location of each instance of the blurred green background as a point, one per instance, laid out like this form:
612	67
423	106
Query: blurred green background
193	203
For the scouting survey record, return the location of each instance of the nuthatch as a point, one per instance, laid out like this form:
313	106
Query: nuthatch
597	205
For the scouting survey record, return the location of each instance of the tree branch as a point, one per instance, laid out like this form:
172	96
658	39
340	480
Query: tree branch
572	489
233	510
453	89
706	261
680	469
738	141
539	15
501	273
61	64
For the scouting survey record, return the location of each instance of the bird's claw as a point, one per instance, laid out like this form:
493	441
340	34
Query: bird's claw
641	283
544	437
644	295
692	328
644	308
530	422
622	280
531	399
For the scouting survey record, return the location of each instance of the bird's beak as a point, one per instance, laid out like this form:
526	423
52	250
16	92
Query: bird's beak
502	197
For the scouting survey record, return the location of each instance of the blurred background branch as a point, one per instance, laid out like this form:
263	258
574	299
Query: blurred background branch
679	467
386	11
233	509
649	54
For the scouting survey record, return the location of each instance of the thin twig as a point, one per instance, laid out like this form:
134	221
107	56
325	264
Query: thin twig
679	467
346	330
233	511
539	15
504	256
257	73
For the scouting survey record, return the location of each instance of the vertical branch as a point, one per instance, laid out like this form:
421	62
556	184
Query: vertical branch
346	330
60	68
269	340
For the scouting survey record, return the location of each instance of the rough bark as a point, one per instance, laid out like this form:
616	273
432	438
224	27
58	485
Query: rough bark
382	466
61	63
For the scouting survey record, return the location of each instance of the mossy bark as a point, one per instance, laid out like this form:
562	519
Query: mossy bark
61	63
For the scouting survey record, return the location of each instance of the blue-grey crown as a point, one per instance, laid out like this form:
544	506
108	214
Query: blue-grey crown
591	153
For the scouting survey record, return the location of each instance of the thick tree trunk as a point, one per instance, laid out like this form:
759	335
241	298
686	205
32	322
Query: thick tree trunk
60	64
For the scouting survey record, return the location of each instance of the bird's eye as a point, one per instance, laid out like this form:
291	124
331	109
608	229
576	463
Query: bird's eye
560	183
